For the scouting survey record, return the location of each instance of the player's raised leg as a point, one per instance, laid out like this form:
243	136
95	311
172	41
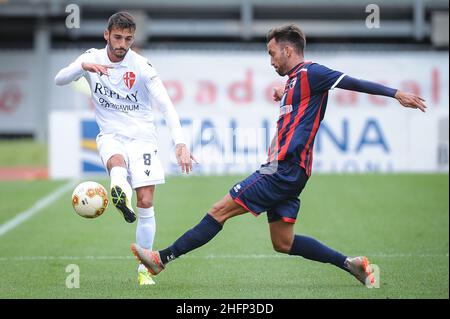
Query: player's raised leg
121	191
203	232
146	228
285	241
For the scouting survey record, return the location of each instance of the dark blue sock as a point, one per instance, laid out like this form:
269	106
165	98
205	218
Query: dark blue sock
195	237
312	249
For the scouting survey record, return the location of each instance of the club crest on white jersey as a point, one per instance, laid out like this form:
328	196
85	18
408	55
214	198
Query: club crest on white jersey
129	78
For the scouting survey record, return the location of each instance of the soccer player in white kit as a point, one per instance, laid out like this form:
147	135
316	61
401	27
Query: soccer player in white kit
125	90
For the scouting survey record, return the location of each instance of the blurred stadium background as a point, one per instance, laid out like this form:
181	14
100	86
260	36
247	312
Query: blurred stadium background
212	58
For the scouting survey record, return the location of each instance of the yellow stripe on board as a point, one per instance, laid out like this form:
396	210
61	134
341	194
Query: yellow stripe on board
89	145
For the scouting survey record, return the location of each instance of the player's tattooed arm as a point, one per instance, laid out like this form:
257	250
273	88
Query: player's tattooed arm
410	100
100	69
184	158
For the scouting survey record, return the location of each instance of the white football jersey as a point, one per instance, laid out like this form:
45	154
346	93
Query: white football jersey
125	100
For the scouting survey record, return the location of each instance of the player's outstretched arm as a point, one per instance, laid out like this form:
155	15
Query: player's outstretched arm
410	100
405	99
76	69
70	73
100	69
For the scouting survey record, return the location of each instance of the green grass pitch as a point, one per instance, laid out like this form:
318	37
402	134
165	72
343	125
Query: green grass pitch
401	222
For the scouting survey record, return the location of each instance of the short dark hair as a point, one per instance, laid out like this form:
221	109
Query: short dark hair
121	20
289	33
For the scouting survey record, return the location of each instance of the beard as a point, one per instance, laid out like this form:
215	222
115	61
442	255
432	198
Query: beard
281	71
117	52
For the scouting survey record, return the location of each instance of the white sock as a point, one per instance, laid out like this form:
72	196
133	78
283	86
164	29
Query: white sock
146	227
119	177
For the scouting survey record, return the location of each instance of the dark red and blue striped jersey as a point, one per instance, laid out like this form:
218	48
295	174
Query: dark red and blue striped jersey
302	109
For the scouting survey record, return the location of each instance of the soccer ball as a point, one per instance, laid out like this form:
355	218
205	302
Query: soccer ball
89	199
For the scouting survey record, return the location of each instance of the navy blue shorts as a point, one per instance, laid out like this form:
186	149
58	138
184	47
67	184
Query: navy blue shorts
272	190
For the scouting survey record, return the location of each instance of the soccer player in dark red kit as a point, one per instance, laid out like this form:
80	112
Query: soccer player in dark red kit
276	186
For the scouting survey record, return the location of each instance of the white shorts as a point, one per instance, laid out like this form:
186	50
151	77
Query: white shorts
141	158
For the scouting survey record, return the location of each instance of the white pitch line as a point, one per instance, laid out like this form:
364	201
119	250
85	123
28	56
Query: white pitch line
36	208
35	258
